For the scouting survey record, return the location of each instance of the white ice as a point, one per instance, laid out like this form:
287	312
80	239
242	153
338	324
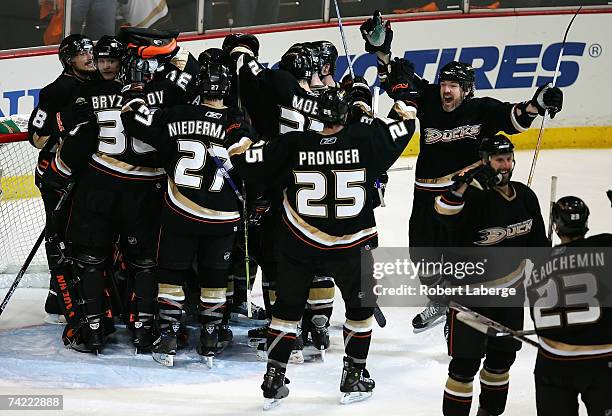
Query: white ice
410	370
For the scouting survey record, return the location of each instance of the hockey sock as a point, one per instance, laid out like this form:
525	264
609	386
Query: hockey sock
494	380
229	298
170	300
144	296
269	293
212	305
457	396
357	336
321	298
281	340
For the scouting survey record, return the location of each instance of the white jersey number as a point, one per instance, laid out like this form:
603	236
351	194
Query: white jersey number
580	305
349	194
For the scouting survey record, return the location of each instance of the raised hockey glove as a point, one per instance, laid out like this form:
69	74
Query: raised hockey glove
548	98
400	81
240	42
483	177
75	114
356	90
609	193
377	34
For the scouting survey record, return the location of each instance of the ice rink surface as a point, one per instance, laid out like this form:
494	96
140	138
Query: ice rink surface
410	370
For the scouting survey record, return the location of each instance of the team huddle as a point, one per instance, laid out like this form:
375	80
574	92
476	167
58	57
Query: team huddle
167	180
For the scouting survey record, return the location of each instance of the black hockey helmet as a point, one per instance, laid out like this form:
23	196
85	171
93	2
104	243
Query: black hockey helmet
328	54
315	54
109	47
496	145
234	40
214	80
298	61
459	72
73	45
211	55
570	216
333	107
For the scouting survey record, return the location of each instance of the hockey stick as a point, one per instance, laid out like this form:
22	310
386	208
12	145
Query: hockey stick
377	183
242	199
553	197
490	327
35	248
348	58
539	142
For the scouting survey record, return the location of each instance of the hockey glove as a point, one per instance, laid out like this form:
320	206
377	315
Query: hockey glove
548	98
133	91
377	34
609	193
400	82
483	177
55	180
75	114
240	42
259	207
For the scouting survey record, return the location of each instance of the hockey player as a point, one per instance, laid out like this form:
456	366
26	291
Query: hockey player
570	307
55	115
108	54
119	193
322	234
201	212
328	56
482	201
278	101
453	123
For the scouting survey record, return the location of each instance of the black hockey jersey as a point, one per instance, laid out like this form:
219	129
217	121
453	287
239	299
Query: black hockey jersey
491	219
188	138
43	130
275	101
449	141
327	197
570	295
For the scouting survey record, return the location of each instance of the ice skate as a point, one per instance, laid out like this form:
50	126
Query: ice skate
274	387
433	314
356	384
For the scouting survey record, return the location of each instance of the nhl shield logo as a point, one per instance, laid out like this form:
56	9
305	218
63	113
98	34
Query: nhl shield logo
157	42
132	241
137	324
176	326
227	255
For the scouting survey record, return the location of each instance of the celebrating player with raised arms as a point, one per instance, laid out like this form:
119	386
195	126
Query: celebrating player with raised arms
327	218
453	123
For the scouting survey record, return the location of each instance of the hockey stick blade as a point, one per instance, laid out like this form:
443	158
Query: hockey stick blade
488	326
380	317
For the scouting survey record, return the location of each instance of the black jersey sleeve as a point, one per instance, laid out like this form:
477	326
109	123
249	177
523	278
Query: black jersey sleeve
42	125
256	79
77	147
385	141
501	116
145	124
261	162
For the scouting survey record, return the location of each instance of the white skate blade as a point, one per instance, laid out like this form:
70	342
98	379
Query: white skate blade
436	322
54	319
163	358
322	352
296	357
356	396
270	404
